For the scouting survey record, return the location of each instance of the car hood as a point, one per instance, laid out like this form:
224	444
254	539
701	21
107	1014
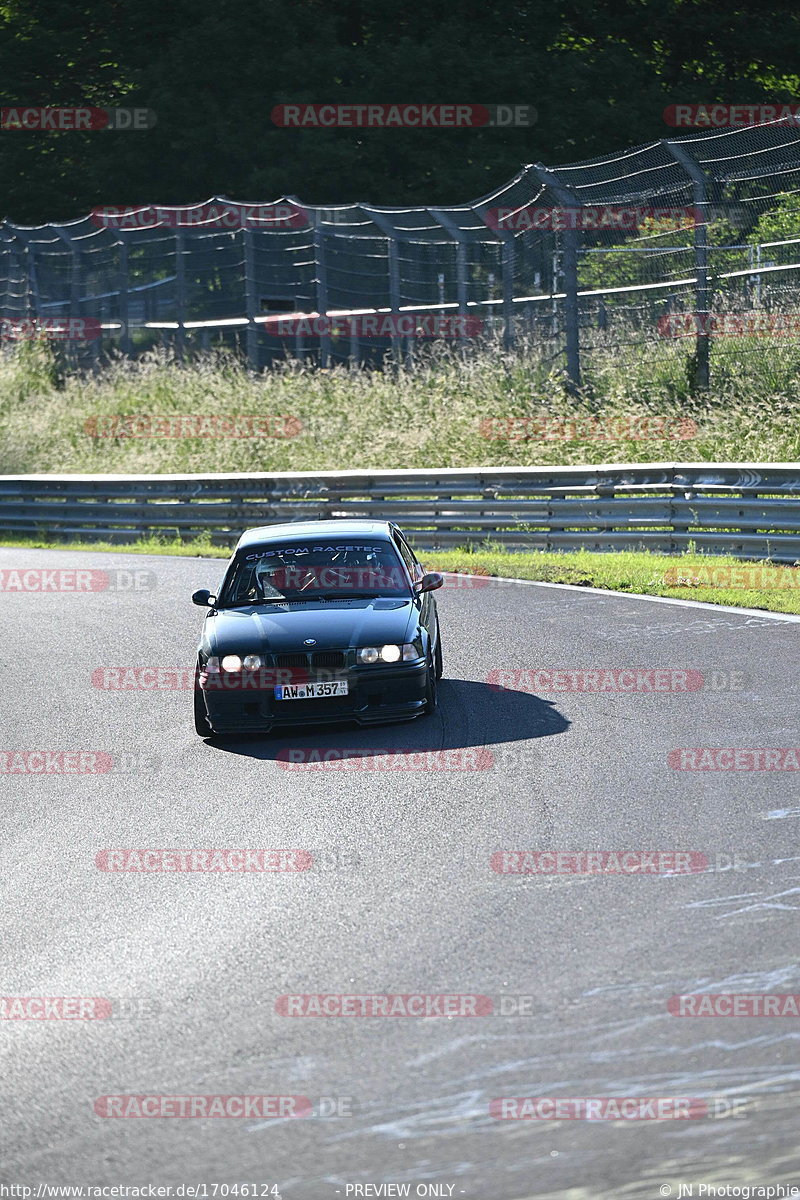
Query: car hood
335	624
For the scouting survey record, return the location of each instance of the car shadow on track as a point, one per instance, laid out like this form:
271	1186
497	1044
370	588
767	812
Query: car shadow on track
469	714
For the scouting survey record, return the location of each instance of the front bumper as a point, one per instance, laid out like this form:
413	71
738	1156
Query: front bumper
375	695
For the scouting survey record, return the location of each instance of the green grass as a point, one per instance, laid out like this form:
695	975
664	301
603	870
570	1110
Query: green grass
427	417
627	571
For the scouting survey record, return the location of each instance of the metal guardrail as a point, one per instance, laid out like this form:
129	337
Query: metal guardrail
748	510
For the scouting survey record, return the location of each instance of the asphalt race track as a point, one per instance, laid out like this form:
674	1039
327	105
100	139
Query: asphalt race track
401	898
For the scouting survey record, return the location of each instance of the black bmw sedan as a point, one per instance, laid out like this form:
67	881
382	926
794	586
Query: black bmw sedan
318	622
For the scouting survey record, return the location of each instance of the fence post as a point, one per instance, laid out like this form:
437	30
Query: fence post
355	349
570	267
461	281
394	271
74	287
250	297
508	291
124	305
702	290
459	237
75	283
33	299
322	292
394	292
180	291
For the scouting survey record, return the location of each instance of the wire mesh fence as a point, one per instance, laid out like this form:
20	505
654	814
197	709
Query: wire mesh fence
681	257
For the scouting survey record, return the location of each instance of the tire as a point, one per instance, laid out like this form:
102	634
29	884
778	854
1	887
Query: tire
431	691
201	725
438	658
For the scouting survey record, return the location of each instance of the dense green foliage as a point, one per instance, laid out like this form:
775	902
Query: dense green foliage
600	76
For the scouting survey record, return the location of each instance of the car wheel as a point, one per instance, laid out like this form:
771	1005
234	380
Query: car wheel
201	724
438	659
431	690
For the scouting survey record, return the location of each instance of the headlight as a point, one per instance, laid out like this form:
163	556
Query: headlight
387	654
252	662
231	662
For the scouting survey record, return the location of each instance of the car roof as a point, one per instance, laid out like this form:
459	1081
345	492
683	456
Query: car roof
314	529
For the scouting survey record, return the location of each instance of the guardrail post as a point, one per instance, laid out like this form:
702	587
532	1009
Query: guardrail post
570	268
702	290
679	528
322	292
251	299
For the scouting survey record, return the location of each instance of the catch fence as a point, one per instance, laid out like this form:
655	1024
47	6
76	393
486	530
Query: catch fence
683	253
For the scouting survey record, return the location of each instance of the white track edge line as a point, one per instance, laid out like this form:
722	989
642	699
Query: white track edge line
610	593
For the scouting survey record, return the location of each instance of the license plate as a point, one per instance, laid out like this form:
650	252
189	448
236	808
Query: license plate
310	691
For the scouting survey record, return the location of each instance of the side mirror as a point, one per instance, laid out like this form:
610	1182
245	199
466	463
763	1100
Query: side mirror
204	598
429	583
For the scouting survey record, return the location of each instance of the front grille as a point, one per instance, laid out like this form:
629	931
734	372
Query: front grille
330	659
321	660
292	660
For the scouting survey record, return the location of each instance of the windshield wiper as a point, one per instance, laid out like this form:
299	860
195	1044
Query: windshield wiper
312	596
264	600
348	595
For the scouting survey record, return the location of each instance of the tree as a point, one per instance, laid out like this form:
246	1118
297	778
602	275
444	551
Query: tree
600	77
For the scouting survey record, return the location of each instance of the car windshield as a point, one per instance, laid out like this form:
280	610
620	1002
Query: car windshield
306	570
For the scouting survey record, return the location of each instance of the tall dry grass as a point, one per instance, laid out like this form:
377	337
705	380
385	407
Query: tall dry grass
428	416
